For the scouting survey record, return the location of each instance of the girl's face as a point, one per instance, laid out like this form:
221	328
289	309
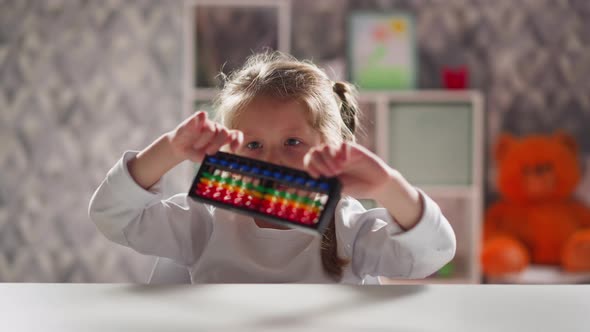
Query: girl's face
276	131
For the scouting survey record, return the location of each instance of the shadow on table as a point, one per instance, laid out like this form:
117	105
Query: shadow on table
353	297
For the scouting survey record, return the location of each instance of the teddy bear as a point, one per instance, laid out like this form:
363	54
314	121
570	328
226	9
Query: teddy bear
537	220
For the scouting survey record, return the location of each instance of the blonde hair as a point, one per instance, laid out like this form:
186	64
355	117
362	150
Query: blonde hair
331	106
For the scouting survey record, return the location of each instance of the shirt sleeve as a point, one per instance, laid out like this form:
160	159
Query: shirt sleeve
377	246
178	227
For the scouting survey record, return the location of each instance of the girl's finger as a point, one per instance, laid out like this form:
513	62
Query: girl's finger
328	156
313	171
316	162
221	138
343	153
198	119
237	138
309	164
206	134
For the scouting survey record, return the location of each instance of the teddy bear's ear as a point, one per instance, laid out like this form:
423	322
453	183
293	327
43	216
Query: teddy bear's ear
504	143
566	139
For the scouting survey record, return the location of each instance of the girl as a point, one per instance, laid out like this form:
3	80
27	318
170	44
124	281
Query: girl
284	111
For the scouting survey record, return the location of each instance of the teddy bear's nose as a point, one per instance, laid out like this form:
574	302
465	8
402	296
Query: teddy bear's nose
541	169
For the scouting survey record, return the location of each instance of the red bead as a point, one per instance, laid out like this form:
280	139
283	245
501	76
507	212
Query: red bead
305	220
295	214
252	202
238	198
308	217
268	207
282	214
202	186
203	193
227	199
314	217
238	201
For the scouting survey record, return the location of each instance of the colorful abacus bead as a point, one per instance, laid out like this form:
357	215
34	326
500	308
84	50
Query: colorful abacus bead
295	213
268	206
252	202
252	199
238	198
308	217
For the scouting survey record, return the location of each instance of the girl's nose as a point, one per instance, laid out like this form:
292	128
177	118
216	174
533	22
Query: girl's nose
272	156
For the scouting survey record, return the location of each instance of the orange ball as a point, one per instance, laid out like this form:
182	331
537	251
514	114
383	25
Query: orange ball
576	252
502	255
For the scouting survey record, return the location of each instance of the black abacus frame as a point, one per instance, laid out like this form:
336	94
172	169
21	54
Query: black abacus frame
326	215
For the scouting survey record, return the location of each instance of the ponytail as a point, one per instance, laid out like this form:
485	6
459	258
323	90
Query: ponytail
349	108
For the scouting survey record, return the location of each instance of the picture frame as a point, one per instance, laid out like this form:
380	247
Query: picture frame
382	51
214	46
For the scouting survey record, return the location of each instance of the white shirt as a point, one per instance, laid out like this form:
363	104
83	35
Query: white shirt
219	246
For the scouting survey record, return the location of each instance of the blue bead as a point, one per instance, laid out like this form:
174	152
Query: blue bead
266	172
255	170
245	168
310	183
213	160
234	165
300	180
277	175
324	186
288	178
223	162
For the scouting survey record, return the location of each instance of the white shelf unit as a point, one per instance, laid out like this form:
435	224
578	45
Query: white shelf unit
461	203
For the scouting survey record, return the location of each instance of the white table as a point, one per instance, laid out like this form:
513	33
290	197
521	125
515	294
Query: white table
121	307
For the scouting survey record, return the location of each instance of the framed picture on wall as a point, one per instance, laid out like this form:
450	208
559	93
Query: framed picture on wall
225	32
382	51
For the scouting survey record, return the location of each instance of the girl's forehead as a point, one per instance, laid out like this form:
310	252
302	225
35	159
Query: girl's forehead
264	111
279	122
270	103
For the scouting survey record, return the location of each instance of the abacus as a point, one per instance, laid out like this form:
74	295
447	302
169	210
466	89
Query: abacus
274	193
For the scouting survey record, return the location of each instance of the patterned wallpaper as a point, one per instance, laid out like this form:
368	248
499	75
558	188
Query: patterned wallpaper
82	81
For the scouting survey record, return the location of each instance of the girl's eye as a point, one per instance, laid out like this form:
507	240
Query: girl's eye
254	145
292	142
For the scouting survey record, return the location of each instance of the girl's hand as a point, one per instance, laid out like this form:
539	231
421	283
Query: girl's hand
197	136
362	173
365	175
